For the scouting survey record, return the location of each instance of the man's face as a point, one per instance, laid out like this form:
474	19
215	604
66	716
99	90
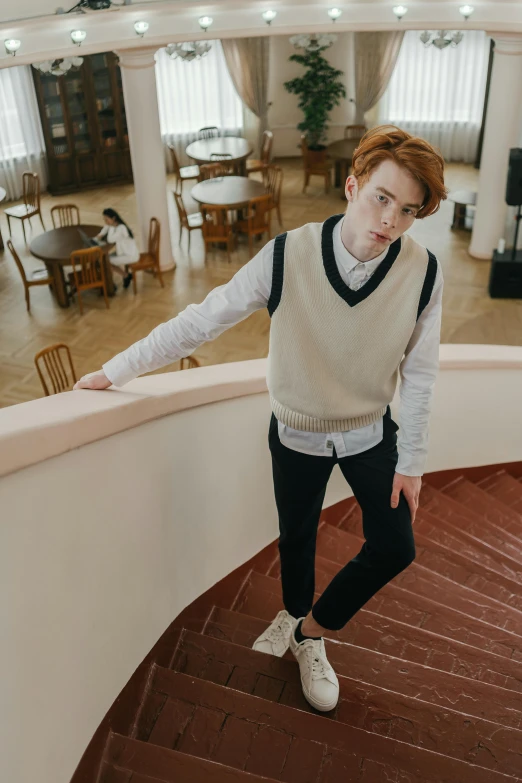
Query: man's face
384	207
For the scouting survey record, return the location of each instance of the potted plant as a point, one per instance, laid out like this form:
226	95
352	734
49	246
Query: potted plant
319	90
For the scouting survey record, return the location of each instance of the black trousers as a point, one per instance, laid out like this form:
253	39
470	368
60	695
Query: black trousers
300	484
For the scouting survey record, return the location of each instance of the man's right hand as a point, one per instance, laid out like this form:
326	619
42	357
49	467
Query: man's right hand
94	380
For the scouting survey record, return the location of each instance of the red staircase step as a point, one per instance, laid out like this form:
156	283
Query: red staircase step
131	761
414	680
255	735
505	488
468	526
417	580
261	597
504	520
361	704
465	567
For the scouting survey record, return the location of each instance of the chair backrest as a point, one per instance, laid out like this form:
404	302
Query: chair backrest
154	238
216	224
87	267
52	370
188	363
209	132
31	189
65	215
182	212
17	261
212	171
175	161
215	156
266	147
273	181
354	131
259	213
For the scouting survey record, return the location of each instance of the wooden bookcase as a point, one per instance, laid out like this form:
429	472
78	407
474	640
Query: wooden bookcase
84	124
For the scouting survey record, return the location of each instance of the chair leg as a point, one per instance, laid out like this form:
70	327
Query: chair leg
41	220
23	229
134	286
189	232
80	303
27	299
160	278
180	232
8	224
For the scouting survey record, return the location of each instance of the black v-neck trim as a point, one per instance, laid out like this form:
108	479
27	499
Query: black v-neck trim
332	272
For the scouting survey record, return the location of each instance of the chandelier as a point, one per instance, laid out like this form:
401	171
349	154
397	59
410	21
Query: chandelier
188	50
312	42
441	39
60	66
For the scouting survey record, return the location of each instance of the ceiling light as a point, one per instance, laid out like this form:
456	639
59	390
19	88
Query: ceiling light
78	36
334	13
312	42
12	45
205	22
188	50
399	11
466	11
60	66
141	27
269	16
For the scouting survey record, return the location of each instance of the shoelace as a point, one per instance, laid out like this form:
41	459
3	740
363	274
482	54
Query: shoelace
318	668
276	633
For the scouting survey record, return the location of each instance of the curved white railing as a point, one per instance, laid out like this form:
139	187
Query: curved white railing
120	508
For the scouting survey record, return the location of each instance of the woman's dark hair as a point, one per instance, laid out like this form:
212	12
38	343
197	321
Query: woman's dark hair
111	213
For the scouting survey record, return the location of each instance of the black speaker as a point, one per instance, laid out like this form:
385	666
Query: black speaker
514	179
505	278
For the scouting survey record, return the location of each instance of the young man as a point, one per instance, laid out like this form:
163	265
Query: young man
353	302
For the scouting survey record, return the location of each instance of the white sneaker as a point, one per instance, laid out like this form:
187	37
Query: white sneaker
276	639
318	679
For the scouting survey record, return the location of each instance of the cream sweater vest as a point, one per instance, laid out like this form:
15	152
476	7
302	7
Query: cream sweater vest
335	353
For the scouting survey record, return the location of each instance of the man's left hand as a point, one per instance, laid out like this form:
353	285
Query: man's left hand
411	487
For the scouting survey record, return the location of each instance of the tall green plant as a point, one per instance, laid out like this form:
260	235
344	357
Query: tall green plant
319	90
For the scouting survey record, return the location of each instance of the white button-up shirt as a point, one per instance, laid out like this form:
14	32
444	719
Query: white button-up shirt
249	290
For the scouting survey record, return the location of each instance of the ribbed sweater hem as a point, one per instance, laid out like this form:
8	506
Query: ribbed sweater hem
300	421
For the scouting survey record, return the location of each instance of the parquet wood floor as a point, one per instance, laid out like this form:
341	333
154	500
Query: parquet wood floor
470	316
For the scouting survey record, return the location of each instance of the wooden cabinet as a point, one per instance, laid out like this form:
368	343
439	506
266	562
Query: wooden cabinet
85	129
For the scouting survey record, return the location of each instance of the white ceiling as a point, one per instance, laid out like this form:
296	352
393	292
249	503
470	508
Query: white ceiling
44	33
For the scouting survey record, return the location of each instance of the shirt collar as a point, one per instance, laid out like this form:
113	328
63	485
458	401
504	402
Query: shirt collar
345	258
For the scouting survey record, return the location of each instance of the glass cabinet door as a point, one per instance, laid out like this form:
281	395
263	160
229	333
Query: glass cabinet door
54	114
75	97
104	102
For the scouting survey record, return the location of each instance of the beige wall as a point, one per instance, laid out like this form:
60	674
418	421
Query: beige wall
284	114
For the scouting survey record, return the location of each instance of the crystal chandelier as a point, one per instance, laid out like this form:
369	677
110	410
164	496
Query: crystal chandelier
60	66
188	50
441	39
312	42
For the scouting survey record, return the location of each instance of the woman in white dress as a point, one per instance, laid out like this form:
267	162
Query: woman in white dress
126	251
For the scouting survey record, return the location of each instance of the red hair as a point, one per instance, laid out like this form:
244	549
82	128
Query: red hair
417	156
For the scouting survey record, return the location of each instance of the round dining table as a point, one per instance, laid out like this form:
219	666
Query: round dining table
3	194
238	148
232	192
54	248
342	153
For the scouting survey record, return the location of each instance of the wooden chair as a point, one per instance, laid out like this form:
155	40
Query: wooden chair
149	260
217	227
182	172
50	361
188	363
37	277
31	205
273	181
313	167
266	153
65	215
257	220
225	159
354	131
88	273
190	222
212	171
209	132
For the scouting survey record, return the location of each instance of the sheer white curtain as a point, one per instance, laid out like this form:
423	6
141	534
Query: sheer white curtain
22	145
439	95
196	94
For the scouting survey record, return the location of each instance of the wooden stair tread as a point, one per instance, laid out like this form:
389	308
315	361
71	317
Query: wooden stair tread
507	521
505	488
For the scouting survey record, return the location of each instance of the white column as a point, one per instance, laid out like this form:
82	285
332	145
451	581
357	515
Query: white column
501	132
146	148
